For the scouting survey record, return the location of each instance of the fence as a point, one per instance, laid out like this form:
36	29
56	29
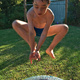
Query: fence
59	8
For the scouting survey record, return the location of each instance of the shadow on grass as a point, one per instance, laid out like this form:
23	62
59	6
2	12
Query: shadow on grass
13	62
14	54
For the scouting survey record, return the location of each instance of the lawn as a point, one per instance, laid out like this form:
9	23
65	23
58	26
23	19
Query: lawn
14	57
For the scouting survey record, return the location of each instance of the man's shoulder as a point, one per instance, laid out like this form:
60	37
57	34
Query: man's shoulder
50	12
50	15
30	11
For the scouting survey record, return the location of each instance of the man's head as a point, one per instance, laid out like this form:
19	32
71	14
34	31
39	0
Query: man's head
40	6
48	1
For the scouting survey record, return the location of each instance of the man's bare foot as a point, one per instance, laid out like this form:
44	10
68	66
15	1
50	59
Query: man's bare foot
50	53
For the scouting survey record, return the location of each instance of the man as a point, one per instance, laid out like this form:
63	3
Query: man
40	18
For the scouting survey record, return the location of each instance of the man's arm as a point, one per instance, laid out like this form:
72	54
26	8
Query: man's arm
45	31
31	31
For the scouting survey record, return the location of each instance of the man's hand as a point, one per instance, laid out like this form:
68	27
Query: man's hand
34	56
38	56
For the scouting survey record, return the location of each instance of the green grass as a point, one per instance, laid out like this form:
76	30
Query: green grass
14	57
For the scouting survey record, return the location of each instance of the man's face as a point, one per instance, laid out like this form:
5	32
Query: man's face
40	7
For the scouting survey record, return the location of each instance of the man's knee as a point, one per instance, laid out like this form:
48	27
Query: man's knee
14	23
65	27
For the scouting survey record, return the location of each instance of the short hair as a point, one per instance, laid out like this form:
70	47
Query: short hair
48	1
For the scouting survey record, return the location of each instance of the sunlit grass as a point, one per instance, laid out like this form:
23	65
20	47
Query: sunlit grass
14	57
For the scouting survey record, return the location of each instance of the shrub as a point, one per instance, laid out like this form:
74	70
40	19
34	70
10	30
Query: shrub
74	12
9	11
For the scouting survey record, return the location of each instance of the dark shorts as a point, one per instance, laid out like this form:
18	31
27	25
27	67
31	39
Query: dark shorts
38	31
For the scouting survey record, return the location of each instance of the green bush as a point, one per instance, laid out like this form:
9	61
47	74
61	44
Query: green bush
2	21
74	12
6	22
17	13
8	13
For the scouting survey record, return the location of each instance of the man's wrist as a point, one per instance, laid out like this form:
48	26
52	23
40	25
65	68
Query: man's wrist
37	51
32	51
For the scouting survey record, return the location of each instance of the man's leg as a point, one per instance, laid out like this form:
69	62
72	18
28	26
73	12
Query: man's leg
22	29
59	31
